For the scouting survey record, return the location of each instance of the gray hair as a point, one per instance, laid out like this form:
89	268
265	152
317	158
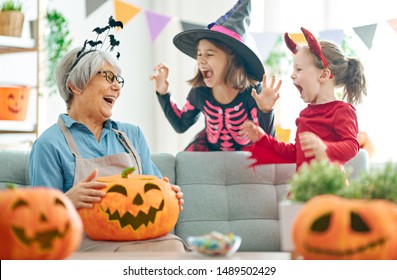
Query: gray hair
80	74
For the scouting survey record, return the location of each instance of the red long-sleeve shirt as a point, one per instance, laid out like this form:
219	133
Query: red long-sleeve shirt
334	122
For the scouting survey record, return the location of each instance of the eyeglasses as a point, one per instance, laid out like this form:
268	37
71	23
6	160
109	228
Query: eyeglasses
110	77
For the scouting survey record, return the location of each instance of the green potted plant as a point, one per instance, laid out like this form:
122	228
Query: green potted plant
11	18
11	5
318	177
376	184
58	42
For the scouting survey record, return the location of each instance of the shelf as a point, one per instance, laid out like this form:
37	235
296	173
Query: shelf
16	44
16	141
16	127
14	134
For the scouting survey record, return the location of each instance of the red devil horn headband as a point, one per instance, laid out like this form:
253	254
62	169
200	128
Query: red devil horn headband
314	46
290	43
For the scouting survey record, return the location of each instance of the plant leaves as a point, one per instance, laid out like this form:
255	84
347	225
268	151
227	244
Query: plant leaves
58	43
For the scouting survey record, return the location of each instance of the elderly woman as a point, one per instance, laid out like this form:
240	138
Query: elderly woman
86	142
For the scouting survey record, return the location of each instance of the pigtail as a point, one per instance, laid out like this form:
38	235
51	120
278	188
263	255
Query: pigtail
348	72
354	81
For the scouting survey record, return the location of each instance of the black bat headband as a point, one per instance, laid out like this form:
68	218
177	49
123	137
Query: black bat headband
98	44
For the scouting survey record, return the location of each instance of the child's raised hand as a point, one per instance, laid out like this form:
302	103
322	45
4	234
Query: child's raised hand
267	98
160	77
252	131
312	145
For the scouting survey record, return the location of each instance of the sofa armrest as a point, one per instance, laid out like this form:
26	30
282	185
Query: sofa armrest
14	167
358	165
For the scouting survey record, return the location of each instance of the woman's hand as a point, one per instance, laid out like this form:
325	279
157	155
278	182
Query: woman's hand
267	98
252	131
312	145
87	192
178	193
160	77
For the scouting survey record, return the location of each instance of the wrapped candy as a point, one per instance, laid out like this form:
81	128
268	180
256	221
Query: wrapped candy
215	243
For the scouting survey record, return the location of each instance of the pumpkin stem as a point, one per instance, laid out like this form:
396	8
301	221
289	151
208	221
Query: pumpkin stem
11	186
127	171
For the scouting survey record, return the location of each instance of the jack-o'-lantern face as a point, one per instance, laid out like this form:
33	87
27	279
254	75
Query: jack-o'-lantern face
13	102
331	227
45	236
140	207
135	208
39	223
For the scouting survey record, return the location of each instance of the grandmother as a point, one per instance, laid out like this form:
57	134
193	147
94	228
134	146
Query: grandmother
85	142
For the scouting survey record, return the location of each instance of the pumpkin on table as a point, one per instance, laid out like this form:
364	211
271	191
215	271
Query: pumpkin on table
135	207
332	227
38	223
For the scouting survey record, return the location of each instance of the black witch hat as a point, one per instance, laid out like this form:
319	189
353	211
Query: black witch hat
231	29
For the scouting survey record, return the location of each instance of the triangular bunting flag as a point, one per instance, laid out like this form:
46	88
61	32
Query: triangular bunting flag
265	42
92	5
298	38
393	24
332	35
124	12
366	33
189	26
156	23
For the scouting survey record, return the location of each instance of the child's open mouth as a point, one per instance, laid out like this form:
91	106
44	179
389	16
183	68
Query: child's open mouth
207	74
299	88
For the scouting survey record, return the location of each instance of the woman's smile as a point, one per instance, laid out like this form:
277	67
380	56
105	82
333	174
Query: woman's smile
110	99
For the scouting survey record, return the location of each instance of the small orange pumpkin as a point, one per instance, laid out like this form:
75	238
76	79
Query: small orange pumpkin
332	227
38	223
137	207
14	102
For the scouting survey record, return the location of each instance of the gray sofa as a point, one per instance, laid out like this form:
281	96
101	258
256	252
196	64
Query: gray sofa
221	193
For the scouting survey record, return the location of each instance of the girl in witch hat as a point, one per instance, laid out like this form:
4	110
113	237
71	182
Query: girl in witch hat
327	128
227	72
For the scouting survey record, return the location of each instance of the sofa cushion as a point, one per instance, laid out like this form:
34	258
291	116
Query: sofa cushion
166	164
222	193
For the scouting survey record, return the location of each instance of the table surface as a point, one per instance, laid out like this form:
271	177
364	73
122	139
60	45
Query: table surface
176	256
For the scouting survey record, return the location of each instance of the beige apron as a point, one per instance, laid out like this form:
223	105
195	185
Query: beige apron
110	165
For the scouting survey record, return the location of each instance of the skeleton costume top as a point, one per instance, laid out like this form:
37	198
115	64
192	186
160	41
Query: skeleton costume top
222	121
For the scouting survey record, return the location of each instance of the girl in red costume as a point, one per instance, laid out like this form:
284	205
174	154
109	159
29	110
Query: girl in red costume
327	128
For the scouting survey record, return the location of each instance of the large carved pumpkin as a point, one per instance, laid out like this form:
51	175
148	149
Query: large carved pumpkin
136	207
14	102
38	223
332	227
